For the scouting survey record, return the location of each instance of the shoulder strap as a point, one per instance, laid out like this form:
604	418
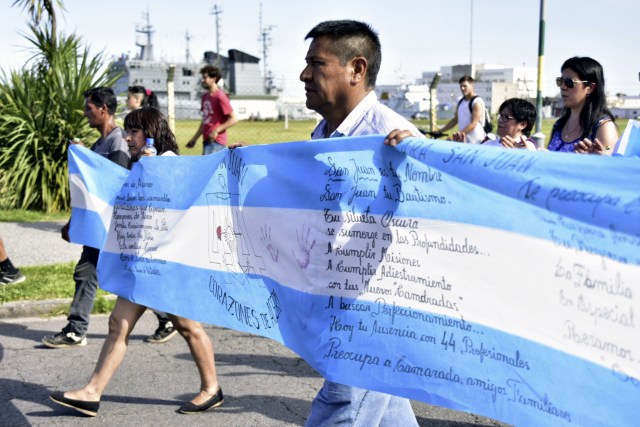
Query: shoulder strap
473	98
596	126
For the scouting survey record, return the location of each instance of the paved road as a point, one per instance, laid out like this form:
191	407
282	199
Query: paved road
265	384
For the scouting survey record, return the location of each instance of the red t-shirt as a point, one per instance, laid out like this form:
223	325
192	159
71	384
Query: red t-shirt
215	110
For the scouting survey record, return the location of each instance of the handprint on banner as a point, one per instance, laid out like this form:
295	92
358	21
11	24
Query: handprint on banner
304	248
266	240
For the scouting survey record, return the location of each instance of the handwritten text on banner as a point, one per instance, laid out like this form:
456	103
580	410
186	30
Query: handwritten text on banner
500	282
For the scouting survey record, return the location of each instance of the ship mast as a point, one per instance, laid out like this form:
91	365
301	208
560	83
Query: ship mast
146	50
187	38
216	11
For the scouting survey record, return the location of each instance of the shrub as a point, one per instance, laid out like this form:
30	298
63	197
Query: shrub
41	109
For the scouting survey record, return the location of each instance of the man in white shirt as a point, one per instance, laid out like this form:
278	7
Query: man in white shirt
470	120
342	64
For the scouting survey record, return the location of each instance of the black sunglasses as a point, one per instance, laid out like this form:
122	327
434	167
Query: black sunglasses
569	83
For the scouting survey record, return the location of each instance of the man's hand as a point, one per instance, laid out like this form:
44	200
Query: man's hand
191	143
213	135
459	137
396	136
235	145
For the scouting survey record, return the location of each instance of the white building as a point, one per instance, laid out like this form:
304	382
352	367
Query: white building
494	83
624	107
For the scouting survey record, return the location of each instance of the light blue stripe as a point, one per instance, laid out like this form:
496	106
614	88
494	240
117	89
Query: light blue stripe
87	228
102	177
527	377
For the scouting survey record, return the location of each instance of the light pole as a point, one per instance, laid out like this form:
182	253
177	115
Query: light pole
539	136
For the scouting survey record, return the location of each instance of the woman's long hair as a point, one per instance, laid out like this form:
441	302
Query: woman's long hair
595	107
154	125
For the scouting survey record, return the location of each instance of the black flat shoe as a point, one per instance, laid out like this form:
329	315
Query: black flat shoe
87	408
213	402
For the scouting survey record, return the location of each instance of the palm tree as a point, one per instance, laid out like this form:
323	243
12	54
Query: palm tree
38	8
41	109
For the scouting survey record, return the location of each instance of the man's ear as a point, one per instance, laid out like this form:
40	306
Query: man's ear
103	109
359	70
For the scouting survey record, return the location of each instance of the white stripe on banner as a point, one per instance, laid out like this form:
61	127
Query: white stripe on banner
500	282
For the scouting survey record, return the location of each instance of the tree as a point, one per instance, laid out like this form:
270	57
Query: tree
37	8
41	109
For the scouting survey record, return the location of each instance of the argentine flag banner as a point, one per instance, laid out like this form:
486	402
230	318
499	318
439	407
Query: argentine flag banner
504	283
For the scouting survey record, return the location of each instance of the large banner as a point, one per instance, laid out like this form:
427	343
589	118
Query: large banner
499	282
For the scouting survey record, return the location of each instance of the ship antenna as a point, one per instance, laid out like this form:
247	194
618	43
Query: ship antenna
187	38
146	50
216	11
265	38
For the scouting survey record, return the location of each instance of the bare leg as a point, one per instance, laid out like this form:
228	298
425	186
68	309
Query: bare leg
124	317
202	352
3	251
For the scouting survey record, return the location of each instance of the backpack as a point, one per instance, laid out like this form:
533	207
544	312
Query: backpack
488	126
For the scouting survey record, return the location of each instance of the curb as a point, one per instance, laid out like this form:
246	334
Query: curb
41	308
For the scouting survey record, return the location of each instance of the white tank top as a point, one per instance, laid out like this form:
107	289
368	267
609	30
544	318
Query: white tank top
464	118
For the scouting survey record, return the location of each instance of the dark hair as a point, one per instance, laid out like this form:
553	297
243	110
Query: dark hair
147	97
465	78
595	107
154	125
102	97
522	110
211	71
352	39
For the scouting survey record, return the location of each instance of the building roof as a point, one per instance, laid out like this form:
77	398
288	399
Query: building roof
242	57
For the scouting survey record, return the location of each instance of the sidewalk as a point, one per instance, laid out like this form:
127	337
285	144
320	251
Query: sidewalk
37	243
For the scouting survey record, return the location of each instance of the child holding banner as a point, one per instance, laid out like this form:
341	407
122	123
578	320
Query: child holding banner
146	122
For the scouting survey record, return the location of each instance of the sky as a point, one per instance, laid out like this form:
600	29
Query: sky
416	35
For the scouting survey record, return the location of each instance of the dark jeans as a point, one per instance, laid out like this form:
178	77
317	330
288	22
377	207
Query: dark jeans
86	287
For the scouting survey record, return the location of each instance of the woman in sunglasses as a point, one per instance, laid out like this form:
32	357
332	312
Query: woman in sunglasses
586	126
516	118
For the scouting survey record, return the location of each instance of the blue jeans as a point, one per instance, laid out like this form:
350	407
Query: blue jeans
211	148
338	404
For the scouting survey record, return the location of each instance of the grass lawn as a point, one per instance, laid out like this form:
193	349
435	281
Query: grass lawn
269	132
51	282
22	215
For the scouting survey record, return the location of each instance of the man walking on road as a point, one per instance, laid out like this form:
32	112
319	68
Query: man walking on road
469	115
99	109
342	65
217	114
